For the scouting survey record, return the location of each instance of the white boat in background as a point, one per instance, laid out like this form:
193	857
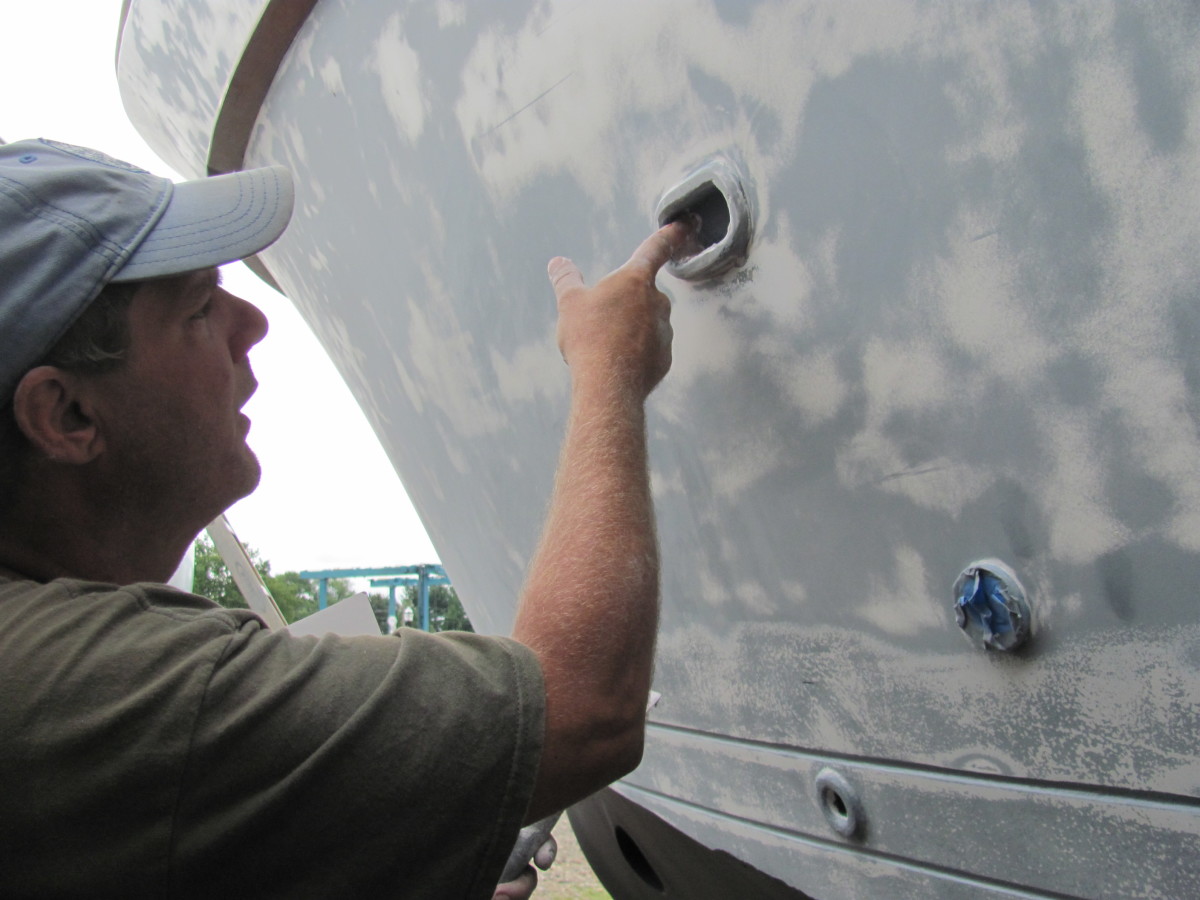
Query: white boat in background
940	364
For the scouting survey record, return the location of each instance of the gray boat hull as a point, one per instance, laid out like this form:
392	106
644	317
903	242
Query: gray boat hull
965	330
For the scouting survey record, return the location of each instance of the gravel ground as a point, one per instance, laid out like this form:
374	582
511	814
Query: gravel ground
570	878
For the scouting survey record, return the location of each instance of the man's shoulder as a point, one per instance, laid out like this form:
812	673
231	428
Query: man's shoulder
63	600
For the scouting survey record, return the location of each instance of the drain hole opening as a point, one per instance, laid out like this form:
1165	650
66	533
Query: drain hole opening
834	801
637	860
709	205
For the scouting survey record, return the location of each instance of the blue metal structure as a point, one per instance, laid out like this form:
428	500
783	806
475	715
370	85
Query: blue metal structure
400	576
424	577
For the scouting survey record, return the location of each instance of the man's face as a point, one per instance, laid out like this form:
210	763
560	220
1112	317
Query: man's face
174	435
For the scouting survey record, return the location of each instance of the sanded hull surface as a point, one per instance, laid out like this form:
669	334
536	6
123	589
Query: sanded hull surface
966	329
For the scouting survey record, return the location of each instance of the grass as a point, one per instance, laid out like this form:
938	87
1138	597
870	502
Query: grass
570	878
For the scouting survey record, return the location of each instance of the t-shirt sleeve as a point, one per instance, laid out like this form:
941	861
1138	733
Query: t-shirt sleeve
380	767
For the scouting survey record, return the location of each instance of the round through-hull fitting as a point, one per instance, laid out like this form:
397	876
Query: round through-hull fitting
841	804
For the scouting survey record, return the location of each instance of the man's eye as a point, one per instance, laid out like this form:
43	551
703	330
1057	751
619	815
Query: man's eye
202	312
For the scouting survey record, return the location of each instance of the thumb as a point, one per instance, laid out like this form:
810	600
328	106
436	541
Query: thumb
564	276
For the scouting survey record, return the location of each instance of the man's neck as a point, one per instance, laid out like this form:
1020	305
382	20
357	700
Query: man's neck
91	562
59	537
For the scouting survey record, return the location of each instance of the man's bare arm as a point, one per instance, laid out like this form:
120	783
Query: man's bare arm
589	608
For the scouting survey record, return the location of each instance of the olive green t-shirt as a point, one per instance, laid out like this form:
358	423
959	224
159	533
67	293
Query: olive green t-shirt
153	744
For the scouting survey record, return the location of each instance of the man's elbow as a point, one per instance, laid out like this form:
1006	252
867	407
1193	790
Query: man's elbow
589	754
614	746
628	755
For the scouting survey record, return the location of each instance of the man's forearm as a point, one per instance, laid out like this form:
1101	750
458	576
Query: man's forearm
589	609
590	605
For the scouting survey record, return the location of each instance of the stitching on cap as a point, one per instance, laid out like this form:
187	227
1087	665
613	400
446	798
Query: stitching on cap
221	218
221	221
234	237
163	254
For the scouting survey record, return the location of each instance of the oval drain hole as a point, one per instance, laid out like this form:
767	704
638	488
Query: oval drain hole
711	195
708	205
637	860
834	799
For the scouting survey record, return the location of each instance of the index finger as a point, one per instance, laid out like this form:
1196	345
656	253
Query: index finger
656	250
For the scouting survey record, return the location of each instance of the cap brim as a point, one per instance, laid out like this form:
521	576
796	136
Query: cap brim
213	221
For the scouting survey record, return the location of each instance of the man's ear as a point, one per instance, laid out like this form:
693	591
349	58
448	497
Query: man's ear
54	416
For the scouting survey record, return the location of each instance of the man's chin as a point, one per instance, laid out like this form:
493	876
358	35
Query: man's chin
251	470
242	477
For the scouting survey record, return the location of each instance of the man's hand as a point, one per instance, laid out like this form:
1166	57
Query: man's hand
521	887
621	327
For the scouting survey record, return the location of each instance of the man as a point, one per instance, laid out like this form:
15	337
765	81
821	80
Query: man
152	744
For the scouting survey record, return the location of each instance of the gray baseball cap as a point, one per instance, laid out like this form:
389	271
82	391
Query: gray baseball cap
73	219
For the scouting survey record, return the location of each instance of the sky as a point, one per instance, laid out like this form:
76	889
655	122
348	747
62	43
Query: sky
329	498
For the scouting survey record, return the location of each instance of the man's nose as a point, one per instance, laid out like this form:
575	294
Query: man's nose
250	325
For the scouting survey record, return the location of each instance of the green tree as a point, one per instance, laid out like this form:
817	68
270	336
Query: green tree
211	577
446	612
296	597
379	606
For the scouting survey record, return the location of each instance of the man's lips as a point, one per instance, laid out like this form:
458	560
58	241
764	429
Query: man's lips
243	419
249	394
